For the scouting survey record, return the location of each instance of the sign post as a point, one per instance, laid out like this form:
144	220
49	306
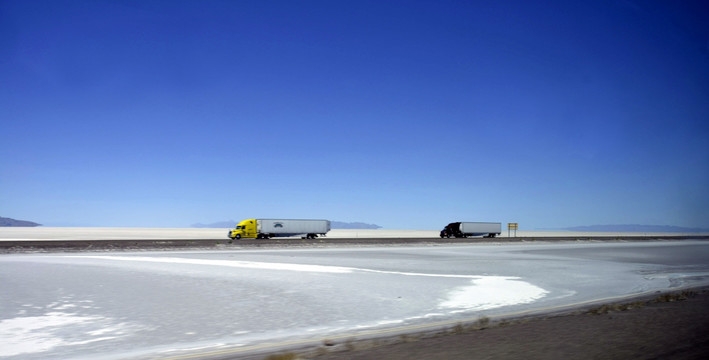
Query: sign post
512	226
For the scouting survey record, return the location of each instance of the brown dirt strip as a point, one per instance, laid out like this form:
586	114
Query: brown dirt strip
672	326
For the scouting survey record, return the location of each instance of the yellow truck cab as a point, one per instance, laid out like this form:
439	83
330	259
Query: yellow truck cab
245	229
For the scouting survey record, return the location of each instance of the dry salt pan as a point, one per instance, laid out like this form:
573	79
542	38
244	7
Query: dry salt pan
35	334
489	292
484	292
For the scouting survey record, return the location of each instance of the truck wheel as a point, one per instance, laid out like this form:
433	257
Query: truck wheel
237	237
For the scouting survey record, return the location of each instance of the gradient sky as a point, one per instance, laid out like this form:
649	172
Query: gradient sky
406	114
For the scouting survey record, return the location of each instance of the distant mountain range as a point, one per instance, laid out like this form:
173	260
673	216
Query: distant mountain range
637	228
219	224
7	222
333	224
352	225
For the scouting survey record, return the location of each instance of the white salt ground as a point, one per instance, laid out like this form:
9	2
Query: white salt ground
59	233
34	334
489	292
484	292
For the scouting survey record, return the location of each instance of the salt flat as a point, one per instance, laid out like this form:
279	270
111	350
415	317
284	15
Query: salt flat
125	233
240	303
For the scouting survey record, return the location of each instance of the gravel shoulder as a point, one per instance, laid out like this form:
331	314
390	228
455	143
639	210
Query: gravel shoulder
672	326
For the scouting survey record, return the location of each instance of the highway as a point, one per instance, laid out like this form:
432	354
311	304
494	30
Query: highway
246	302
49	239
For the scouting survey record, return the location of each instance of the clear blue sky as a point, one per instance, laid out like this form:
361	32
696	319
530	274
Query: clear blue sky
407	114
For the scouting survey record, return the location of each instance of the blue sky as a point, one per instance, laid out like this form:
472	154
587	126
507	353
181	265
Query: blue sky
407	114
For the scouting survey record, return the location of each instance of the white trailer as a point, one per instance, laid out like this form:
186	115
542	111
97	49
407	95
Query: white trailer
490	229
292	227
465	229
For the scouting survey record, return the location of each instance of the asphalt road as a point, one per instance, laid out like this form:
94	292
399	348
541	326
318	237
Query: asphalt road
240	303
85	245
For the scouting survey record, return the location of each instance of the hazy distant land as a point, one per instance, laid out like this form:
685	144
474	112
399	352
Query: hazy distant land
8	222
637	228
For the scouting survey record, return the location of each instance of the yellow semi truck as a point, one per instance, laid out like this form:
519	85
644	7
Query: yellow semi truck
268	228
